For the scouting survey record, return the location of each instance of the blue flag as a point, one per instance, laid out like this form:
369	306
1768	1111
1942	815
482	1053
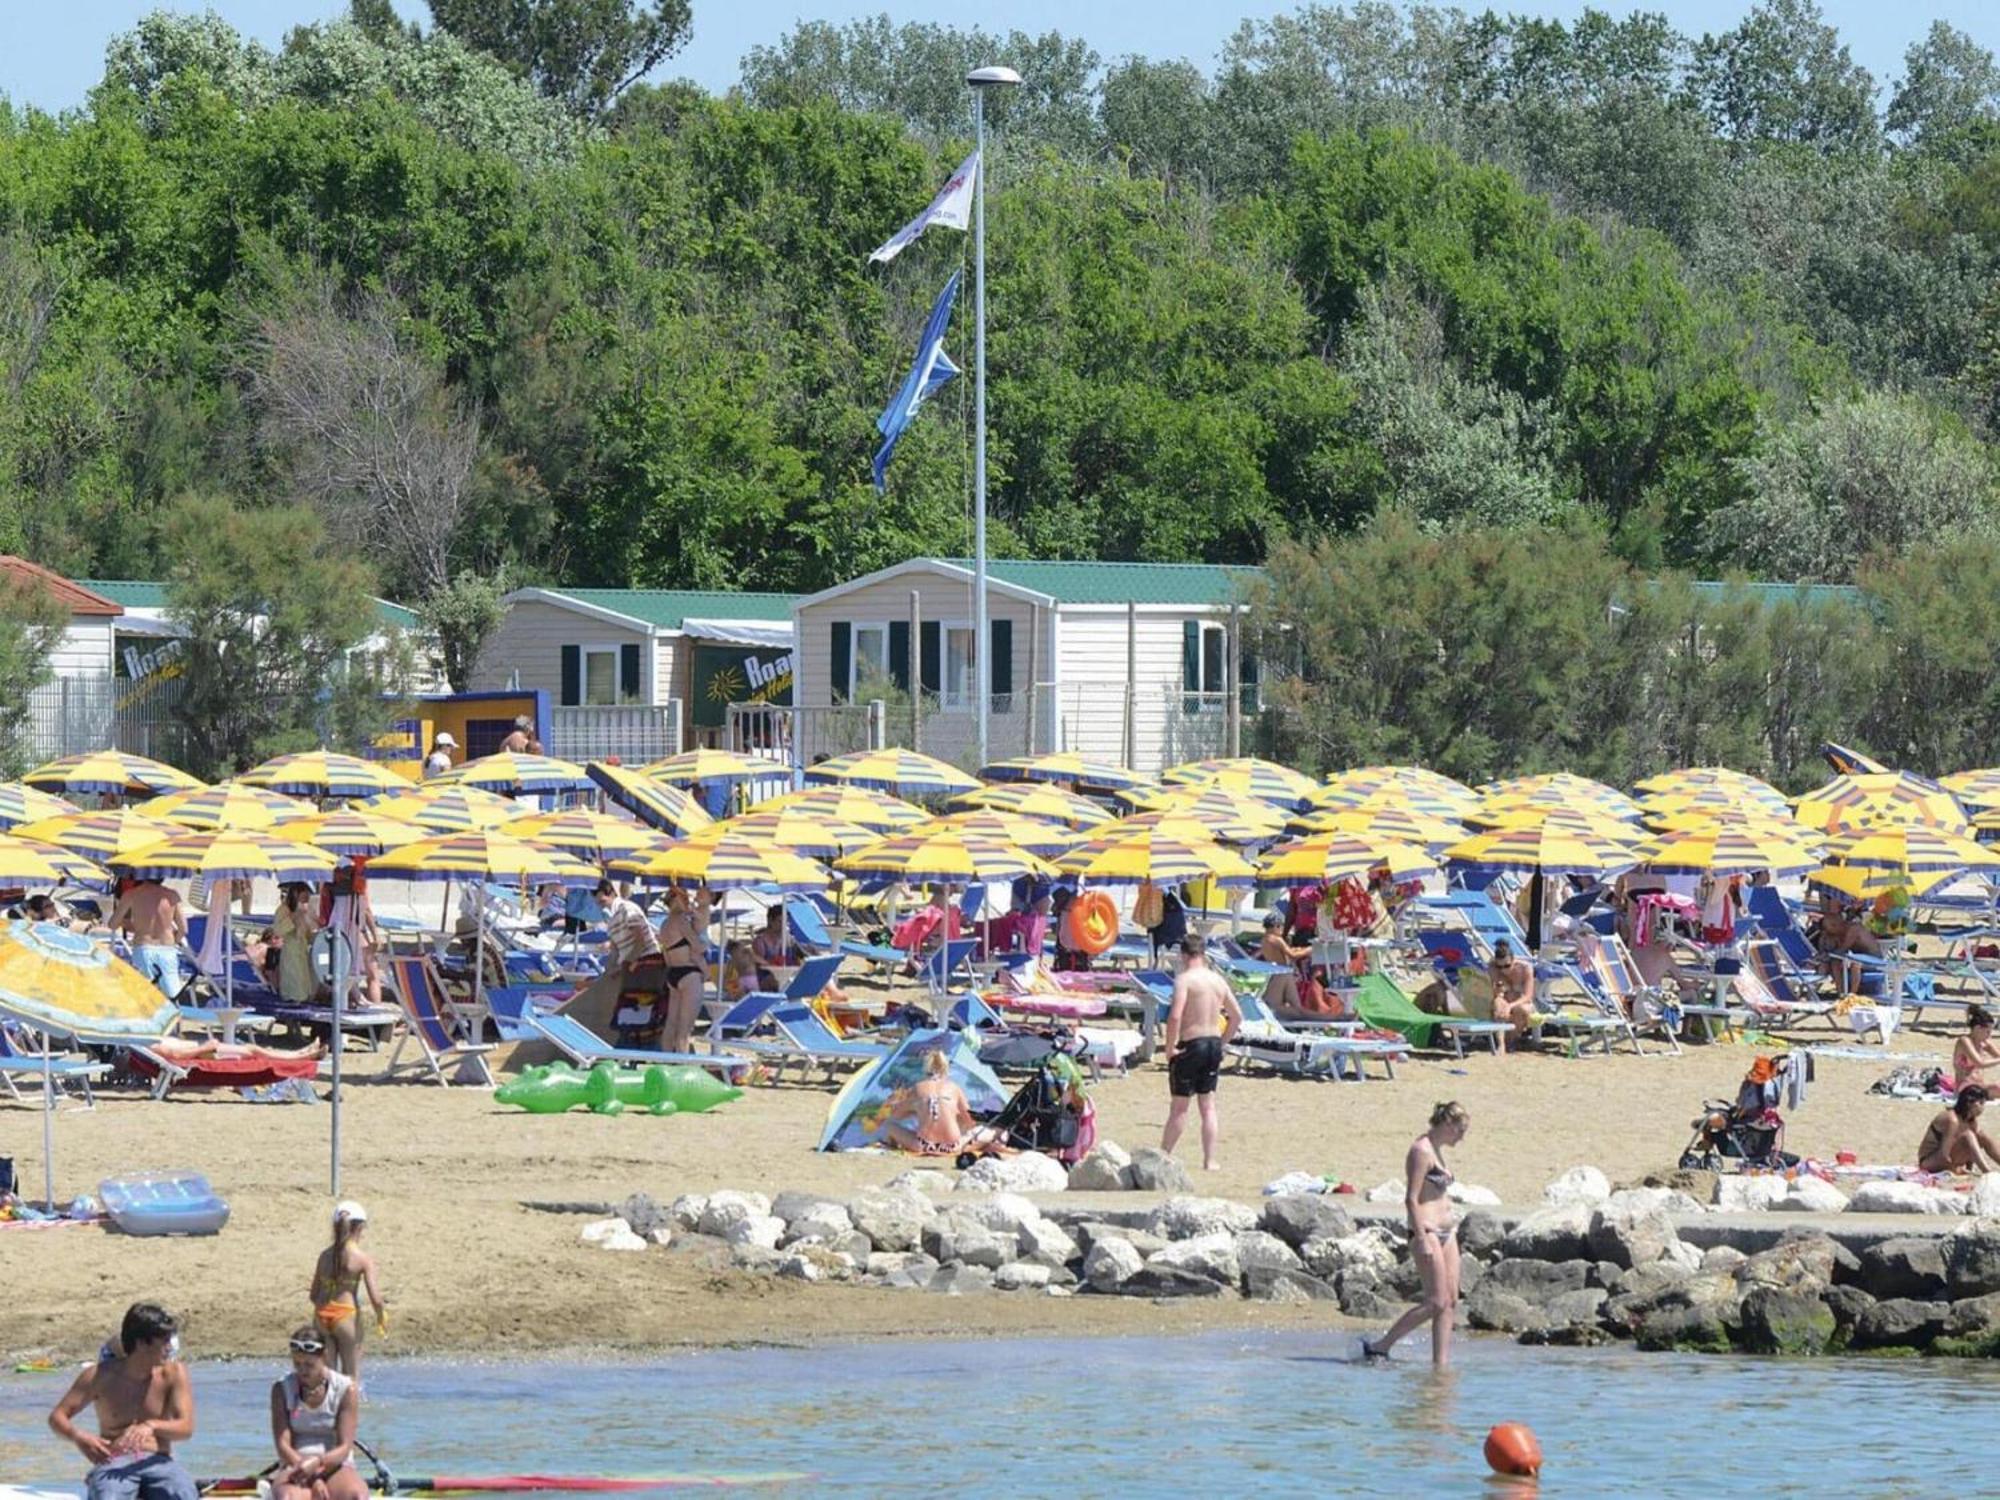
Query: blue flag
932	370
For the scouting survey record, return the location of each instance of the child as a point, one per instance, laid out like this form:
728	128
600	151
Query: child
339	1276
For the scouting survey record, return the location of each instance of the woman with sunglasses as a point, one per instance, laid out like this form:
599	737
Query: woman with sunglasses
313	1417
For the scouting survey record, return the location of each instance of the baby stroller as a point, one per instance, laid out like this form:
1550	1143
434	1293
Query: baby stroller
1049	1113
1748	1131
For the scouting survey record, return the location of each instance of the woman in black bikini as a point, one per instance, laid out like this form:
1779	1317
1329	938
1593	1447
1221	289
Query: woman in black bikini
682	944
1433	1237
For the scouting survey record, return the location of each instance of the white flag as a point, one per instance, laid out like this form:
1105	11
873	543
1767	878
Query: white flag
952	207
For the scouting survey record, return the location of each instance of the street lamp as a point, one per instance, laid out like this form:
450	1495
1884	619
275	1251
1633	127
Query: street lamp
980	80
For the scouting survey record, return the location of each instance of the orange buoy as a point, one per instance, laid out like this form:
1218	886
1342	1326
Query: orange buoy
1511	1448
1090	924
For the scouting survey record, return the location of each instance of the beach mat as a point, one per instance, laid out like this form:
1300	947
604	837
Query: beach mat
1379	1001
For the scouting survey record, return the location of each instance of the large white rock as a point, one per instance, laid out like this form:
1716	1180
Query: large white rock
762	1230
728	1208
823	1223
1386	1192
611	1234
686	1211
1984	1200
1110	1264
1812	1195
1584	1184
1046	1244
1666	1200
1366	1253
1020	1277
1748	1195
1184	1218
1007	1213
1107	1169
1210	1255
1030	1172
1684	1256
1295	1182
1472	1195
923	1180
1905	1198
893	1219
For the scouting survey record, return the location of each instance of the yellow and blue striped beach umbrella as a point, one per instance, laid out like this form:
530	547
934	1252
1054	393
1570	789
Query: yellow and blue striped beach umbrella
595	838
450	809
512	773
1349	796
859	805
725	863
110	771
945	857
482	855
1975	789
227	805
324	774
1728	849
1560	789
1252	818
814	835
100	835
1038	836
60	981
1720	803
1115	856
1525	812
692	766
1265	779
25	862
1412	783
1706	781
1224	825
1063	765
1047	802
351	832
907	773
1384	818
1913	849
1874	800
1558	845
1334	857
23	804
654	803
223	854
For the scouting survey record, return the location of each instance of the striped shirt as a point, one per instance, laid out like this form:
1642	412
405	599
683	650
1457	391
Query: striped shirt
632	936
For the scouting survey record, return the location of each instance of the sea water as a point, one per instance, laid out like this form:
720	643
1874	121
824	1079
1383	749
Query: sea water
1217	1414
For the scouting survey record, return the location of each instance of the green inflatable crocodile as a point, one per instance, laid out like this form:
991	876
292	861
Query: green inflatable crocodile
606	1090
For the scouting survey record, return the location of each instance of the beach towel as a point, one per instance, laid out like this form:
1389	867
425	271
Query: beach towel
1380	1002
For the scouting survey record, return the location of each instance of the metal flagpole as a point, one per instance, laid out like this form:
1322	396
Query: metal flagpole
981	79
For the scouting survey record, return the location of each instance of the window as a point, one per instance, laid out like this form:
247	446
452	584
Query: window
600	675
871	658
1214	656
958	679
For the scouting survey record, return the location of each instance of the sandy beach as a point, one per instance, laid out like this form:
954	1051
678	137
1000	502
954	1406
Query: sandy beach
470	1271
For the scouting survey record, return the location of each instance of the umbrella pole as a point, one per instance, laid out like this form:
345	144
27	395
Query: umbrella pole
340	978
48	1126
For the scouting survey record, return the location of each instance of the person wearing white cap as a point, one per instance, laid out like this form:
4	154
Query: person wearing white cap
439	760
339	1277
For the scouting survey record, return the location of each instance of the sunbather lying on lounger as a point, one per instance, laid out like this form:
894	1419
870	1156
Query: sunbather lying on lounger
1954	1142
938	1107
180	1049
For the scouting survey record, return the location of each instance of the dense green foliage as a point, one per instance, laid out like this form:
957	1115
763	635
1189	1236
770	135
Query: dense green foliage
31	627
478	306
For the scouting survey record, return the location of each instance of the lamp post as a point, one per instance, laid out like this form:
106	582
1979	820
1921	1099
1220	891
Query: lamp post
980	80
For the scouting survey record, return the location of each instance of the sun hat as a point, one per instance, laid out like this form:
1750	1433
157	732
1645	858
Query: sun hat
348	1211
444	738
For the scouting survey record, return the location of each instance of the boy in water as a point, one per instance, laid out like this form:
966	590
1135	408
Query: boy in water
144	1404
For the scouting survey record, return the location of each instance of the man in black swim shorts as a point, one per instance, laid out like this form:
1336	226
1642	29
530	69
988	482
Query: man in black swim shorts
1204	1017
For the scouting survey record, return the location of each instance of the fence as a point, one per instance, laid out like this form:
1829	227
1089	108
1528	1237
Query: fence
632	733
1150	726
800	736
75	715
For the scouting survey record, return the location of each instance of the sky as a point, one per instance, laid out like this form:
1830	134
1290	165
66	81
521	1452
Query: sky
50	55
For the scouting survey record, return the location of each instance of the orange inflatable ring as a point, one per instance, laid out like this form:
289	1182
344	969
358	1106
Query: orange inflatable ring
1090	923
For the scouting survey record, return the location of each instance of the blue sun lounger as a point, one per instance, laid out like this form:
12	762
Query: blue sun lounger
60	1070
808	924
747	1014
585	1048
804	1038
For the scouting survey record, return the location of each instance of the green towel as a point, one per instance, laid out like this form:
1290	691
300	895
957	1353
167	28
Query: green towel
1379	1002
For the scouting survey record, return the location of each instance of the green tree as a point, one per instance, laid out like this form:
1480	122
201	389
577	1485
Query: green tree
272	610
32	623
1937	705
462	617
1783	76
1950	83
581	53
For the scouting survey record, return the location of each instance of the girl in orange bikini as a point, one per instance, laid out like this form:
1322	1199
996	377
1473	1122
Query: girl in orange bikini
341	1273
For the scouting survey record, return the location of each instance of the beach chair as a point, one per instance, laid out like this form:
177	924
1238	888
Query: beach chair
1380	1001
1322	1053
422	995
804	1038
950	959
585	1048
1771	993
62	1070
808	926
743	1017
1611	978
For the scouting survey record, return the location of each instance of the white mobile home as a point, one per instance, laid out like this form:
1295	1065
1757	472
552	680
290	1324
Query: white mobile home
1131	662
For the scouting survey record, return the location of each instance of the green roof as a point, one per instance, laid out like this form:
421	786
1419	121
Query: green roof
1768	594
136	593
1201	584
666	608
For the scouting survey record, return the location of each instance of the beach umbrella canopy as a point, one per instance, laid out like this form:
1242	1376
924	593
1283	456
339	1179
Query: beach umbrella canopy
1975	789
1703	780
110	771
1334	857
1717	801
1755	816
692	766
941	857
513	773
1872	800
595	838
1063	765
653	803
486	854
1522	812
324	774
1046	802
1352	797
814	835
1727	849
723	862
850	804
1911	850
907	773
100	835
1866	882
1204	823
225	854
1383	819
865	1107
1852	762
1036	835
1558	845
1237	808
1247	774
75	869
1413	785
352	832
1560	789
23	804
450	809
228	806
25	862
1128	856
